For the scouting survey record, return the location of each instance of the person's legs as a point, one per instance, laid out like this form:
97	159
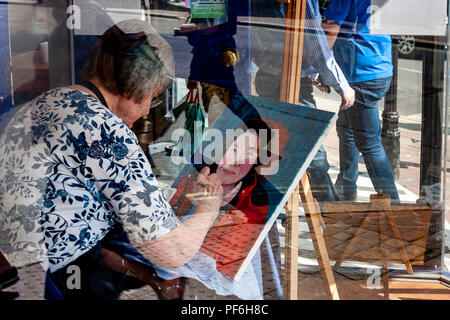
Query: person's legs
165	289
364	121
108	269
348	158
96	281
267	85
321	185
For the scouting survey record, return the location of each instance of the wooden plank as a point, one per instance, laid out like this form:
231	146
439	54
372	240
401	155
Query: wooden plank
287	64
312	213
408	225
291	247
289	92
292	52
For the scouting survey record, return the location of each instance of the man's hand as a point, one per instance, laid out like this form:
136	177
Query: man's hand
187	27
320	86
348	99
192	84
318	83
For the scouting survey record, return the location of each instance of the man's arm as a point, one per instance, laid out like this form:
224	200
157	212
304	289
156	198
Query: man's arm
316	49
331	30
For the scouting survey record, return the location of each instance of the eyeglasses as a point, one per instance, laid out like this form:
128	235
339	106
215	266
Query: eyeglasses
156	101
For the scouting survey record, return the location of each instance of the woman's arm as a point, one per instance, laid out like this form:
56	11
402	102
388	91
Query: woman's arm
119	175
178	246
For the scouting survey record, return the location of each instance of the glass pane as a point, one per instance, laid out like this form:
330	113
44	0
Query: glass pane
263	70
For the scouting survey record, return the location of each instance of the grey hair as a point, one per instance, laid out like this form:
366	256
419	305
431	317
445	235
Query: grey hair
131	59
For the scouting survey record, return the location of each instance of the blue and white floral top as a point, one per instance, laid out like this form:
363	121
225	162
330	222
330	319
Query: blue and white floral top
69	170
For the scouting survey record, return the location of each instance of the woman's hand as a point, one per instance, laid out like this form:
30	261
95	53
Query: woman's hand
208	191
178	246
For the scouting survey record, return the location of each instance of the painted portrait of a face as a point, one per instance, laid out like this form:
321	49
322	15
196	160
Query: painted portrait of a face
239	158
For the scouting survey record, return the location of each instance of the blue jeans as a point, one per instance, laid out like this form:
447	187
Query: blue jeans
359	131
321	185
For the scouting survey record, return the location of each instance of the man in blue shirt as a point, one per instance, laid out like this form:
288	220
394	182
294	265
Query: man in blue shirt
366	62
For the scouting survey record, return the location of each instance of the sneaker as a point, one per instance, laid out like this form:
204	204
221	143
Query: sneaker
341	196
347	198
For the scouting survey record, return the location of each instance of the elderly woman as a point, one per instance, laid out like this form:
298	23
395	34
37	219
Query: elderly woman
72	174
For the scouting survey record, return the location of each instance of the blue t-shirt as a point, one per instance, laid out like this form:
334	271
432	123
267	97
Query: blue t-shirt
361	56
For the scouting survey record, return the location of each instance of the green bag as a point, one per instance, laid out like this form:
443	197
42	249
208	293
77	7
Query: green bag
195	120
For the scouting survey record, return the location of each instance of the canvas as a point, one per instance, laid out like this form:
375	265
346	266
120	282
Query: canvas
263	150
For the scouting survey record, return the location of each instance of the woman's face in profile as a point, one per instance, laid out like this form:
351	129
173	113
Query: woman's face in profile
239	158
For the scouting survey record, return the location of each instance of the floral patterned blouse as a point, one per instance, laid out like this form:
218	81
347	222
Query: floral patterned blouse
69	170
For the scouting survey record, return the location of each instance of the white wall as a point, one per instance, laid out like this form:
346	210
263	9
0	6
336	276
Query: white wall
409	17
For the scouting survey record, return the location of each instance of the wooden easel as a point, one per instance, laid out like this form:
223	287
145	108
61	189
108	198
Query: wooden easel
312	213
290	89
380	209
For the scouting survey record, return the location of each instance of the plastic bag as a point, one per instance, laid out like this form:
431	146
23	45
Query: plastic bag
195	119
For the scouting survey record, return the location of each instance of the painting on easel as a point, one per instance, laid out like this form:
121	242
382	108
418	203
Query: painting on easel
259	149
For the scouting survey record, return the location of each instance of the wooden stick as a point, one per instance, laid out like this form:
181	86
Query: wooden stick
312	212
289	92
291	248
321	220
352	242
400	243
385	277
292	52
383	204
385	274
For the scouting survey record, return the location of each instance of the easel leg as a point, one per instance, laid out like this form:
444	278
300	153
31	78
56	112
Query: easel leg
290	287
400	243
385	273
312	213
352	242
381	203
385	277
